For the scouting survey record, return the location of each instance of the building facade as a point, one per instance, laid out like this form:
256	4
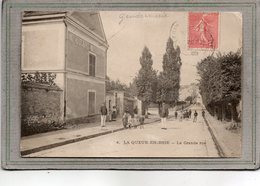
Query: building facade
73	46
123	102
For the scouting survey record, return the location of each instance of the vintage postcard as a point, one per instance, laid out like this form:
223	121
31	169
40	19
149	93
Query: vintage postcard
131	84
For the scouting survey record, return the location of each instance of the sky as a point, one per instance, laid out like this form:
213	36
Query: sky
128	32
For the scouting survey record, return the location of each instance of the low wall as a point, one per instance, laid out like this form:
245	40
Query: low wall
41	108
84	119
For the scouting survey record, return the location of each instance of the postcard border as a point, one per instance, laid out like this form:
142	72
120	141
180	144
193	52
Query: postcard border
104	163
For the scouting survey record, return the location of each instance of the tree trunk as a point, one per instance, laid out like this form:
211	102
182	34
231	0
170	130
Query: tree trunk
146	112
223	109
143	108
233	119
212	110
232	113
219	112
215	112
159	108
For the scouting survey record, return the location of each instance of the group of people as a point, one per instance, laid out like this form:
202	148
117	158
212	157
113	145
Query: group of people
186	114
112	114
183	114
164	112
131	120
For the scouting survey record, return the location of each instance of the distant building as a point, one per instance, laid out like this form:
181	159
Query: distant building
123	102
73	46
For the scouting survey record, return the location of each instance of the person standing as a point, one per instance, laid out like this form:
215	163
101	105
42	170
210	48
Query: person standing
163	114
103	112
135	111
203	113
176	114
125	119
110	115
114	113
190	113
195	116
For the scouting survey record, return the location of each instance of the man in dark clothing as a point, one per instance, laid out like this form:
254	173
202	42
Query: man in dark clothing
195	116
190	113
176	114
203	113
135	110
114	113
103	112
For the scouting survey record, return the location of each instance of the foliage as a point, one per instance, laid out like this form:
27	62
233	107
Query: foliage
39	77
146	78
35	124
119	86
169	78
194	93
220	83
189	98
132	88
115	85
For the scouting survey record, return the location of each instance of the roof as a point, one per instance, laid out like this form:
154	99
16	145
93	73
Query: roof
40	13
90	20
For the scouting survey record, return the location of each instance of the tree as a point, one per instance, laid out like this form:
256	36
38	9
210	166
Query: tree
169	79
146	80
115	85
189	99
220	84
194	93
132	89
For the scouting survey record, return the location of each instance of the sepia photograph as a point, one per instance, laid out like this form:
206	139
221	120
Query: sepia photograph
135	84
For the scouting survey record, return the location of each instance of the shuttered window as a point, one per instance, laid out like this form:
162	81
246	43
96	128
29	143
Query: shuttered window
91	103
92	65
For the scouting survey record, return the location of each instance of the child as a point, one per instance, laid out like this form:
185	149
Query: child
141	121
125	120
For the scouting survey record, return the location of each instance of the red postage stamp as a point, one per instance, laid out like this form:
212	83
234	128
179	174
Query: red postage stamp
203	30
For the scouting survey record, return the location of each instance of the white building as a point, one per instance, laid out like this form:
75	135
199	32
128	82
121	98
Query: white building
73	46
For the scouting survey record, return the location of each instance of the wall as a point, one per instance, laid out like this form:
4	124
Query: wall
123	102
129	105
43	50
78	82
138	104
77	95
90	20
41	108
78	55
43	46
120	102
110	98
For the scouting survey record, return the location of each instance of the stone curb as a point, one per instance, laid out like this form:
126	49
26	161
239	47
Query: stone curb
53	145
214	137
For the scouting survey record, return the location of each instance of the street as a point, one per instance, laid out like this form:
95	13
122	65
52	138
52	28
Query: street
181	139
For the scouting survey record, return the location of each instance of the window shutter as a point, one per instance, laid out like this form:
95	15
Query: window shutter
92	64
